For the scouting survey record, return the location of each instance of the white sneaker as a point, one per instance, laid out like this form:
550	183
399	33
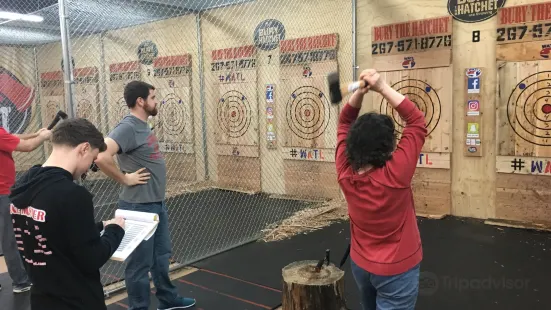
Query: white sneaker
21	289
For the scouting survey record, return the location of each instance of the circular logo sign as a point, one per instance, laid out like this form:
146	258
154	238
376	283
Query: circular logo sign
268	34
15	103
470	11
147	52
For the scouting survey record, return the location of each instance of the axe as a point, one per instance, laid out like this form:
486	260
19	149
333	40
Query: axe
59	116
337	90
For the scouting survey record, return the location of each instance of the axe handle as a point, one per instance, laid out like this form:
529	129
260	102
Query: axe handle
352	87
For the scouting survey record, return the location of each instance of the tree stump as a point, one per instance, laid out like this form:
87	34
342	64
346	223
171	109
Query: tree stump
304	288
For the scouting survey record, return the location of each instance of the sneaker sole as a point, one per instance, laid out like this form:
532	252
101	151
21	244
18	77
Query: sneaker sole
23	290
176	308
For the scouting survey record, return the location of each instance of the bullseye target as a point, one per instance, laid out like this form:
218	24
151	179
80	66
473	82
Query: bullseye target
173	114
85	110
529	109
51	109
122	109
308	112
425	98
234	114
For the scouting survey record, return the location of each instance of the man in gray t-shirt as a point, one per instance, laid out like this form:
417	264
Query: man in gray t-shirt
143	177
138	148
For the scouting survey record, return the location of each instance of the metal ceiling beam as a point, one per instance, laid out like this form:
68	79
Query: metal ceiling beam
167	4
236	2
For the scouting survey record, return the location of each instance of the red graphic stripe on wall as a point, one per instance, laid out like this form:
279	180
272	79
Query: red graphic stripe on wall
21	95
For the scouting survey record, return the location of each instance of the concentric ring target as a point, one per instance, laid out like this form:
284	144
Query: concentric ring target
51	110
85	109
308	112
234	113
122	109
425	98
173	114
529	109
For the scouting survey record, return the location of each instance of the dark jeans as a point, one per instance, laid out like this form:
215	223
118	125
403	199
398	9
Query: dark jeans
151	255
16	269
397	292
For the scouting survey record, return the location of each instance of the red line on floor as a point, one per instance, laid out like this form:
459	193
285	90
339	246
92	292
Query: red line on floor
237	279
111	276
227	295
122	305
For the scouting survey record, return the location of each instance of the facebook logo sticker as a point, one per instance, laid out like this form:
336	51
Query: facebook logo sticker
269	93
473	85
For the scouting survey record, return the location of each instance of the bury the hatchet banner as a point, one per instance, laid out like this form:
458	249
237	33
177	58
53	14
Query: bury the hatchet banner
15	102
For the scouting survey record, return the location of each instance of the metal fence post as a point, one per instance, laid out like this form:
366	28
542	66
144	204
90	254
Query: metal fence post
354	64
202	92
67	59
37	98
103	84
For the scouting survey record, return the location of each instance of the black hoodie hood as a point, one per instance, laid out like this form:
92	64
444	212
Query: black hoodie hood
33	182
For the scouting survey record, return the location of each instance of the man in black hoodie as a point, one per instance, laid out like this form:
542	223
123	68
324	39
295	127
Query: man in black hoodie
54	223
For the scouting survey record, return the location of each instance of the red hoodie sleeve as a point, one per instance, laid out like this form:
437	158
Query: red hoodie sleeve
346	118
404	159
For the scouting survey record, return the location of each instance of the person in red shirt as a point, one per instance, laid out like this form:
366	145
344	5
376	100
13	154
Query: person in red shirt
375	177
8	144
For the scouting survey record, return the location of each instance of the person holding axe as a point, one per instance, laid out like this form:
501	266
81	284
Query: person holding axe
375	176
8	144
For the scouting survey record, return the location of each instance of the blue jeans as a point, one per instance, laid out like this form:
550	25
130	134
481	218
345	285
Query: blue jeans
397	292
16	268
151	255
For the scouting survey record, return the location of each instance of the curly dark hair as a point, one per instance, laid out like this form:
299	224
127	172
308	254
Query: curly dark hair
370	141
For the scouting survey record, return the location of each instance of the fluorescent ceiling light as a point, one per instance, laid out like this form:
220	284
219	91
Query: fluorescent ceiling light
15	16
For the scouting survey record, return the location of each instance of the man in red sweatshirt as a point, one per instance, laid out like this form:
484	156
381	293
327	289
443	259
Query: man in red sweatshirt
375	176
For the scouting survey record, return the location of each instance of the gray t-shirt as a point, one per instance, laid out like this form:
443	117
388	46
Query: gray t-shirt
139	148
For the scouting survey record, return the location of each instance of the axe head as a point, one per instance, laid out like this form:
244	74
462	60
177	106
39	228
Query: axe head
333	81
62	114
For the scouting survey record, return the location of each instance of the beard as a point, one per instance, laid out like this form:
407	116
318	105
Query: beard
153	111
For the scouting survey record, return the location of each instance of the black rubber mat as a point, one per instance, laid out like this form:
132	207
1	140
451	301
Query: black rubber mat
9	300
215	291
210	221
467	264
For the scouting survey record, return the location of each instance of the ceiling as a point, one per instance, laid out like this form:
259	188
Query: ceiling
92	16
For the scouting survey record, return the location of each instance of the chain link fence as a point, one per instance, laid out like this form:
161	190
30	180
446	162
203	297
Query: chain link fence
245	123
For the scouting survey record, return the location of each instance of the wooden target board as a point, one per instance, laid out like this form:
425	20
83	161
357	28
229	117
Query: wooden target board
52	99
235	72
524	104
87	95
119	75
414	58
174	125
236	117
310	118
523	108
